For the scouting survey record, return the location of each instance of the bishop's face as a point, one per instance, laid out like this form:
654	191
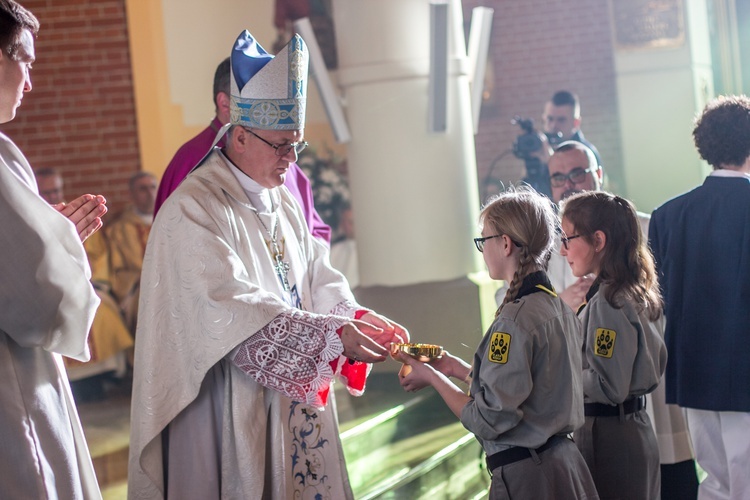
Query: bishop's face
258	159
14	76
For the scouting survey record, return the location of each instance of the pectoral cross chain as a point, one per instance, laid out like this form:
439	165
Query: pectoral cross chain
277	254
281	268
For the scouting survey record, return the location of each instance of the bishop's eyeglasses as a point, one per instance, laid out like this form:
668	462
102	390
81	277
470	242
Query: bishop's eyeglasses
282	149
576	176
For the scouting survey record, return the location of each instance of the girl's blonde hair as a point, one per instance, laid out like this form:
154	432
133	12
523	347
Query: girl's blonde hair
627	265
528	219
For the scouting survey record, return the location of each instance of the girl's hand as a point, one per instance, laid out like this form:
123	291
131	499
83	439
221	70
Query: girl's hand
415	375
451	366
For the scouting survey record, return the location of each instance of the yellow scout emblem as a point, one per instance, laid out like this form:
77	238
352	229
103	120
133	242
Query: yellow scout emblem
605	342
499	346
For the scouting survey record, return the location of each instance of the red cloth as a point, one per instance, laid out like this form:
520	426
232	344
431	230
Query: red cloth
353	372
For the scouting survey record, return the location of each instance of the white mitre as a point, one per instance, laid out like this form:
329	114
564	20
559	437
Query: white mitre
267	92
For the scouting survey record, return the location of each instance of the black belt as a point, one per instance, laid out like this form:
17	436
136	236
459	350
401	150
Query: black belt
602	410
518	453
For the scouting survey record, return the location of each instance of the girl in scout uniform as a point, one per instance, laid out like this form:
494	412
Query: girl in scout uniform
525	393
624	355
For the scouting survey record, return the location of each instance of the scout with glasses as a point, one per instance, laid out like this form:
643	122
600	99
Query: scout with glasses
574	169
525	391
624	355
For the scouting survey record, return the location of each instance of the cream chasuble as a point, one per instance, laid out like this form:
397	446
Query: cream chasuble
231	370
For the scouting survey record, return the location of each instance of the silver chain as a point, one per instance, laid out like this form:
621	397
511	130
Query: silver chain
274	224
281	267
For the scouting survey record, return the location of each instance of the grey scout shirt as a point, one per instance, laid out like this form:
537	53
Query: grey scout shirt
624	354
526	384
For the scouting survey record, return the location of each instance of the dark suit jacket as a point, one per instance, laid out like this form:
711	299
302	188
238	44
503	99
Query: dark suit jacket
701	243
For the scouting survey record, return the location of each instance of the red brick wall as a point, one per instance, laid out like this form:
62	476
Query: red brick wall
80	115
537	48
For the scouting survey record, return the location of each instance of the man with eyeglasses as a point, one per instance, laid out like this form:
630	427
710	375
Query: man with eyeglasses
243	323
190	154
574	169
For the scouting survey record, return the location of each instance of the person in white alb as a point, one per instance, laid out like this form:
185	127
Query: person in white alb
47	303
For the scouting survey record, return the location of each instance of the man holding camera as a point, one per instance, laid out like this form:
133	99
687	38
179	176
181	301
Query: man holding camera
562	121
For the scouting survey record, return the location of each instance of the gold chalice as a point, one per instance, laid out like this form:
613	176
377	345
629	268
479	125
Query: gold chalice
421	352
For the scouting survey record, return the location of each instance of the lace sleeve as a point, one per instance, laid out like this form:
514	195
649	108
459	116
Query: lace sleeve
292	354
348	309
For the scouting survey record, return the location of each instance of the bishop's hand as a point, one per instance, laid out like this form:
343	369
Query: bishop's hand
398	332
365	342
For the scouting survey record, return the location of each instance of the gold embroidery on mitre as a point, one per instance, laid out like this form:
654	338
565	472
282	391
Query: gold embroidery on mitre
605	342
499	348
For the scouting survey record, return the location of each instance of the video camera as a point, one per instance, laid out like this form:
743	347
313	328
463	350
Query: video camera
524	147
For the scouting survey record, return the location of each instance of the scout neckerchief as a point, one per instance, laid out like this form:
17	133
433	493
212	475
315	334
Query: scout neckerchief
592	291
536	282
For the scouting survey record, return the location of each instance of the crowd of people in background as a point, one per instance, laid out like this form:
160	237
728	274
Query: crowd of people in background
613	368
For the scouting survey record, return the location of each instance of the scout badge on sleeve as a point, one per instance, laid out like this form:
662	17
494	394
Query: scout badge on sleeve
605	342
499	347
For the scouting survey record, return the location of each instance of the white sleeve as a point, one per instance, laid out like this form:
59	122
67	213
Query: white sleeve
45	293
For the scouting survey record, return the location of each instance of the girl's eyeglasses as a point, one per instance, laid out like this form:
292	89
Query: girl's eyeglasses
566	239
